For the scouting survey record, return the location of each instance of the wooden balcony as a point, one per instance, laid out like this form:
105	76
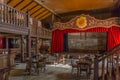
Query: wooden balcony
12	20
44	33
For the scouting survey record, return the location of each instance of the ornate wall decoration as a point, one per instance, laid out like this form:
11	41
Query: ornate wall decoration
81	22
86	22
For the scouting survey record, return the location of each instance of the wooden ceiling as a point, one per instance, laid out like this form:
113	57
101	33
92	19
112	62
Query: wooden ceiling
35	9
41	9
65	6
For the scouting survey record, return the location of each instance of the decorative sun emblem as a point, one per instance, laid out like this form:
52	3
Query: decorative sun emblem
81	22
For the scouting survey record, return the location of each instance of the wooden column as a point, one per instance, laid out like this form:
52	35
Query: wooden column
37	50
110	67
37	39
8	59
29	36
117	67
22	48
96	68
103	69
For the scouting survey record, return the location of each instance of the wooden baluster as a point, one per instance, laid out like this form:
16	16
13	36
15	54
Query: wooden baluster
107	67
112	62
96	68
8	15
117	67
5	13
17	18
14	17
11	19
2	12
23	20
110	68
103	69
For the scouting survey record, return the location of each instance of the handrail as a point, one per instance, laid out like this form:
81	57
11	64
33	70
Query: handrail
107	61
12	16
110	52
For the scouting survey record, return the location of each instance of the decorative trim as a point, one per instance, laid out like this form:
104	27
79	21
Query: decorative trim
83	22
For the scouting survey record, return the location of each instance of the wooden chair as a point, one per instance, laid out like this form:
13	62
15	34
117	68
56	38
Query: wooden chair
28	66
83	66
42	64
74	66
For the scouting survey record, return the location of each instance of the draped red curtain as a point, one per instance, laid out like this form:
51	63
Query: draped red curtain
57	41
58	37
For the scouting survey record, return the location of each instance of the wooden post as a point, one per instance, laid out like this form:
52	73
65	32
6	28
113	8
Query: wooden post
8	59
110	68
96	68
37	45
29	36
22	48
37	39
103	69
117	67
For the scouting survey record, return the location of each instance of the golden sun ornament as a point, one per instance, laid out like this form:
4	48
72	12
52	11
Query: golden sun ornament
81	22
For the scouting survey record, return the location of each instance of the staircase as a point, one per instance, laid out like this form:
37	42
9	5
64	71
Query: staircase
107	65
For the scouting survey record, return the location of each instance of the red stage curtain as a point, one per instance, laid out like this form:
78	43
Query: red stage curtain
58	37
113	37
57	41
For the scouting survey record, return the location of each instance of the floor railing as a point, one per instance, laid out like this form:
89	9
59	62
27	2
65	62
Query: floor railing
107	64
12	16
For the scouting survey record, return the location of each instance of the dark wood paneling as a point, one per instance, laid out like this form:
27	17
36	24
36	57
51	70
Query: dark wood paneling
7	28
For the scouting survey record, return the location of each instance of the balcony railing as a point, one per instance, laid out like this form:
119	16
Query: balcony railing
11	16
44	33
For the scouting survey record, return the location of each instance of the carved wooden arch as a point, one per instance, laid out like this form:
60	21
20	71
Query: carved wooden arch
83	22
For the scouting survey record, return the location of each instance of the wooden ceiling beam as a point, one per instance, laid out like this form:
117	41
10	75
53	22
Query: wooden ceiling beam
35	11
9	1
18	3
43	15
97	11
53	12
40	13
27	5
33	7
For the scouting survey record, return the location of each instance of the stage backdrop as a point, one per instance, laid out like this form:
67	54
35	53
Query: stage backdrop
86	42
85	23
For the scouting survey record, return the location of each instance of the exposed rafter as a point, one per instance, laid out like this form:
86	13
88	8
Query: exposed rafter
53	12
35	11
18	3
9	1
40	13
27	5
43	14
33	7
